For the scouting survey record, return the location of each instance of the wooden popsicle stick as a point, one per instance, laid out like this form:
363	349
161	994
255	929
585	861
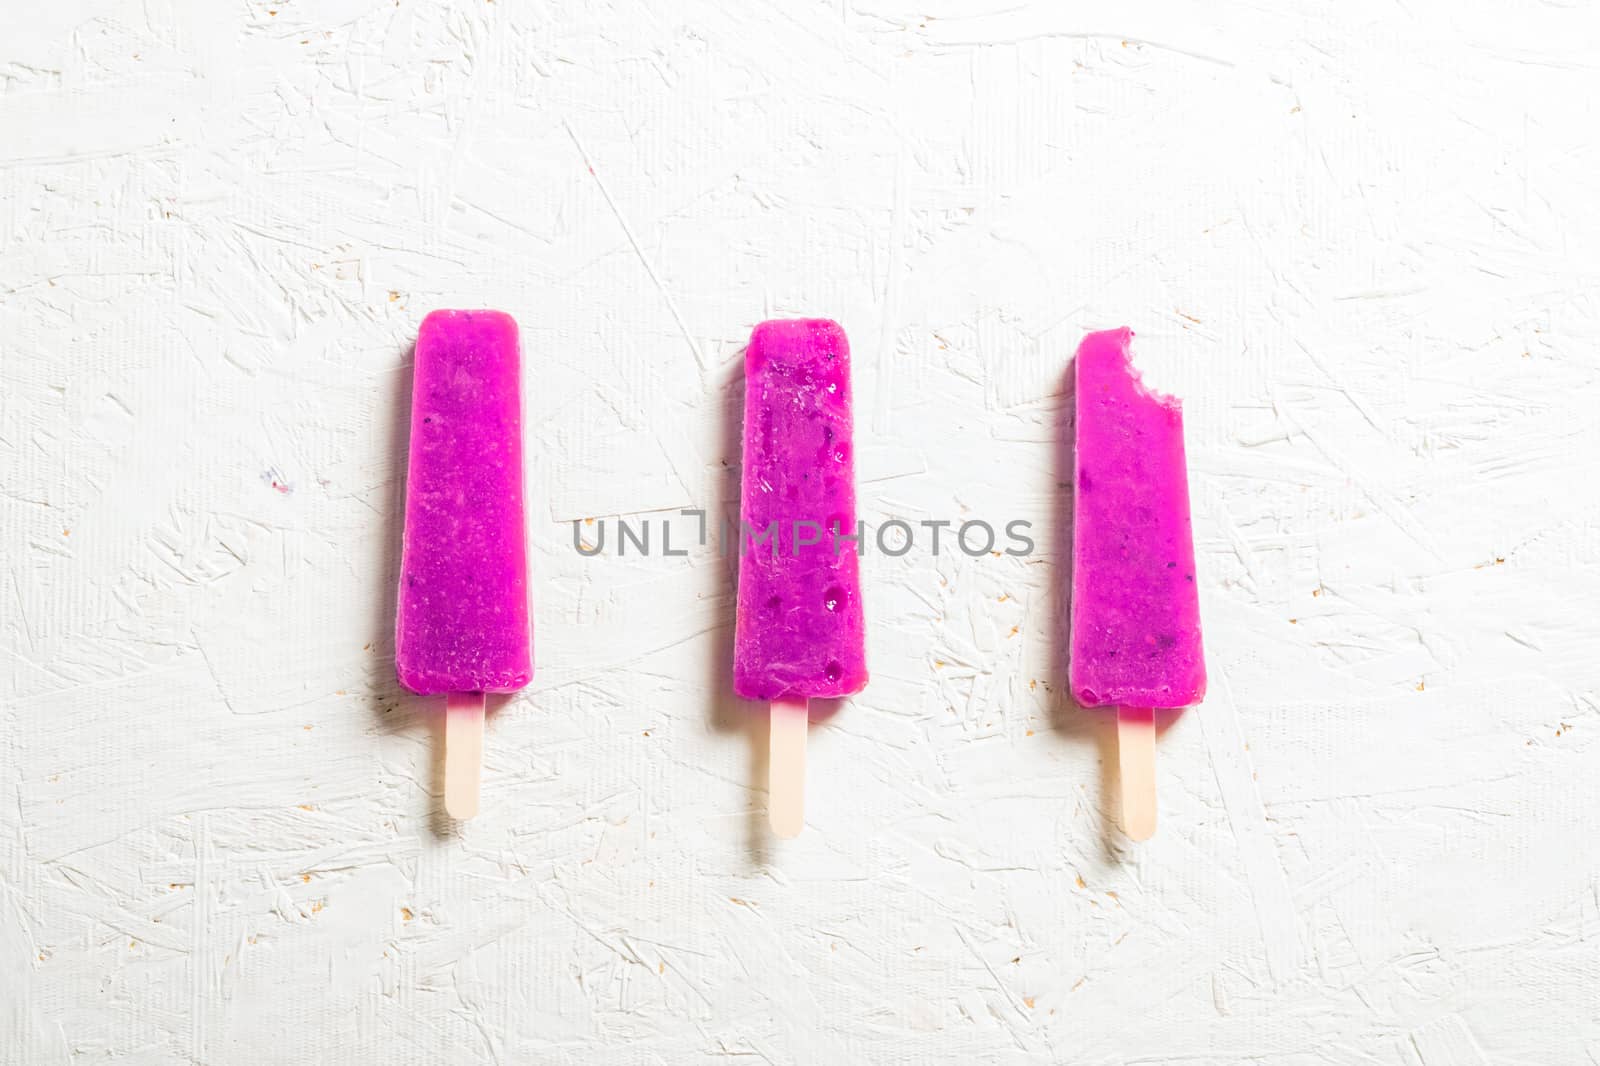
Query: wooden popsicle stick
786	767
463	752
1136	747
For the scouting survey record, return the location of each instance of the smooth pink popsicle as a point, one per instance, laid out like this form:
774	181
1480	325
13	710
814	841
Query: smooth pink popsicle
1135	605
462	623
799	631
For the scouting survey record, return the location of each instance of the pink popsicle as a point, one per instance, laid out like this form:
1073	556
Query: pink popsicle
799	632
462	624
1135	604
1135	607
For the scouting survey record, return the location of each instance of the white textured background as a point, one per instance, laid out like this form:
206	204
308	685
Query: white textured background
1363	242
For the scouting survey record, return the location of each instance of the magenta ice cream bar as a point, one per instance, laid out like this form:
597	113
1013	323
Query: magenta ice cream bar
462	628
463	620
462	623
799	632
1135	606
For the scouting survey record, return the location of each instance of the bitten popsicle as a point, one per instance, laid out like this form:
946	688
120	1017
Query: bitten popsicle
799	633
1135	605
462	626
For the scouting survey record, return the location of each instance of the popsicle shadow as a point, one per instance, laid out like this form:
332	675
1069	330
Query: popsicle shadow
396	708
1091	725
729	713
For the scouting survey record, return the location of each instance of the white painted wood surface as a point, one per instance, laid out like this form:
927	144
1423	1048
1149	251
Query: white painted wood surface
1361	240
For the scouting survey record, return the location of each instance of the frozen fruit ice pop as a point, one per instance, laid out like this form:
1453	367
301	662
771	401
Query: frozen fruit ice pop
799	632
1135	605
462	623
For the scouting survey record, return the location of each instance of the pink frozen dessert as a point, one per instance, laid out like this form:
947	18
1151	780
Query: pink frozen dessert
462	623
799	632
1135	606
